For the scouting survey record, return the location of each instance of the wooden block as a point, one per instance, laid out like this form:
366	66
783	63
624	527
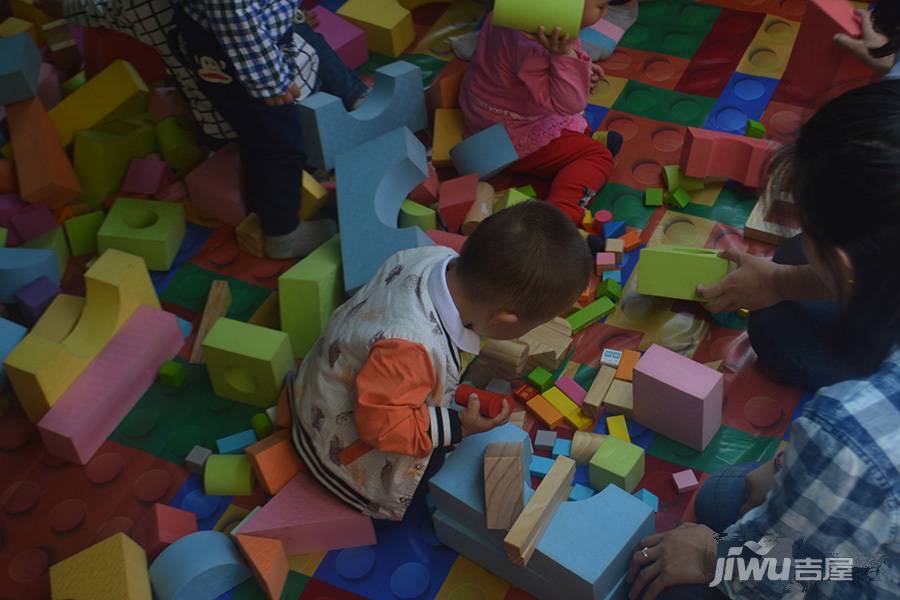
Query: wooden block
162	526
528	528
560	401
541	378
584	445
617	247
770	231
620	399
571	389
485	154
456	197
591	313
540	466
504	475
150	229
618	463
215	186
678	397
274	461
676	271
268	561
597	392
490	404
548	344
201	565
113	568
685	481
388	26
617	428
217	304
88	412
44	172
625	370
544	440
481	209
308	518
631	240
250	236
605	261
544	411
721	155
345	38
448	132
517	418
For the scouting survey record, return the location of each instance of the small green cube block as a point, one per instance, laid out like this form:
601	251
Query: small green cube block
541	378
609	288
672	177
681	198
228	475
591	313
82	232
172	374
262	425
617	462
755	129
3	233
150	229
692	184
653	197
413	214
676	271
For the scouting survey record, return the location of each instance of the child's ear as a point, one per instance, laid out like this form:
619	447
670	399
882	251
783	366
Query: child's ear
504	317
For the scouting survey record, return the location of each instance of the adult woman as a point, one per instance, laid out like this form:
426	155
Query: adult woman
835	492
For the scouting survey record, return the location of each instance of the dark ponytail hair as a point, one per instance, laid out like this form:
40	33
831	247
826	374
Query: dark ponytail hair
844	174
886	20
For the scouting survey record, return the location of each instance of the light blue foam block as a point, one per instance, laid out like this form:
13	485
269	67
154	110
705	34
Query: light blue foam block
19	266
648	498
200	566
540	465
486	153
235	443
20	65
580	492
10	335
397	100
373	180
562	448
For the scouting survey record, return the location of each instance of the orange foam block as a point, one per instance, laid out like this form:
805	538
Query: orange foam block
308	518
44	171
274	461
162	526
544	411
84	416
723	155
268	561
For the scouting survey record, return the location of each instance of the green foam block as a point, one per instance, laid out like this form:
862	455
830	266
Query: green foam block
653	197
172	374
529	15
178	144
150	229
55	241
413	214
82	232
676	271
618	463
681	198
228	475
755	129
262	425
511	197
4	232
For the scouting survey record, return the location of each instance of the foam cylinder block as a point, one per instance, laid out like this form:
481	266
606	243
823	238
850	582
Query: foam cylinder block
529	15
202	565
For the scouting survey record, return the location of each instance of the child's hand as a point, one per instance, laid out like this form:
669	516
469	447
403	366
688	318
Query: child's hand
472	422
557	42
870	38
286	98
597	74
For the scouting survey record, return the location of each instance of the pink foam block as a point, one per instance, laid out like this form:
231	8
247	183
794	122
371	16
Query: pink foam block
345	38
723	155
215	186
606	261
456	198
570	388
427	192
446	239
685	481
308	518
678	397
147	176
96	403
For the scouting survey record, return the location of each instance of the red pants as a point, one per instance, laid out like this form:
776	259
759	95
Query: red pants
578	165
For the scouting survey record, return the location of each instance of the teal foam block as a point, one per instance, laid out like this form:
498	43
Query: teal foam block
235	443
202	565
486	153
10	335
20	65
19	266
373	180
397	100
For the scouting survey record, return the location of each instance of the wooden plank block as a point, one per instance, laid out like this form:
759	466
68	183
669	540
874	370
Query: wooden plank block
217	304
526	532
504	491
544	411
620	399
617	428
597	392
584	445
625	370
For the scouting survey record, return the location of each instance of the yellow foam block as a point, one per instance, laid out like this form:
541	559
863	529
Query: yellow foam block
14	25
313	197
41	370
769	52
469	580
448	132
60	318
25	10
113	568
388	26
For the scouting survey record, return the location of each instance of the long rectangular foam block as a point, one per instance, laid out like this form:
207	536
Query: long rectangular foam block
373	180
723	155
308	518
20	64
676	271
96	403
397	100
678	397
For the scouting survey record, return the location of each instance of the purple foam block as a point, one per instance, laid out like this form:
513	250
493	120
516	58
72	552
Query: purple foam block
10	205
33	299
33	221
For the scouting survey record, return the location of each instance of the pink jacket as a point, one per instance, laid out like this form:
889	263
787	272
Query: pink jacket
516	81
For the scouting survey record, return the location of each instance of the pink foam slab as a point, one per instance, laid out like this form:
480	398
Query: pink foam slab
215	186
96	403
570	388
345	38
308	518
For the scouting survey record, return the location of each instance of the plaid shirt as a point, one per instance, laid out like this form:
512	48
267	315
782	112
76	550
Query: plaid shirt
838	491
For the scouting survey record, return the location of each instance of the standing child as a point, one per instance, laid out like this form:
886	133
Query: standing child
370	411
538	87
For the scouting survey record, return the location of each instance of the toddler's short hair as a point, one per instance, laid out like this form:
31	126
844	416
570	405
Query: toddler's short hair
528	259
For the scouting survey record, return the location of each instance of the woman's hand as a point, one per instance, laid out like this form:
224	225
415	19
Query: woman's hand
597	74
859	47
752	285
678	557
472	421
557	42
759	481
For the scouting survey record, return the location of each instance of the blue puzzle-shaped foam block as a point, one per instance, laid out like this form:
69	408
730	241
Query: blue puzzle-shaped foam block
486	153
372	182
20	266
648	498
745	97
580	492
205	564
397	100
10	335
191	497
20	65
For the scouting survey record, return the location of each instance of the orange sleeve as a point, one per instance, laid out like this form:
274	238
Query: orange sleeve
391	414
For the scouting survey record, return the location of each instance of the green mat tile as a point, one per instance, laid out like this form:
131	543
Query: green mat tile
733	206
664	105
250	590
673	27
729	447
625	203
189	289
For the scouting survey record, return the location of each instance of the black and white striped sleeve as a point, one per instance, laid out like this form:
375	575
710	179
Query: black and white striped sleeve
445	428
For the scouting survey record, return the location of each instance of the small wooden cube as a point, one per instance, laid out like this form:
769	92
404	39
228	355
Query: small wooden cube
605	261
541	378
616	246
544	440
653	197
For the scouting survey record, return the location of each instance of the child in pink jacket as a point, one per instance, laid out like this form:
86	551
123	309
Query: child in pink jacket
538	87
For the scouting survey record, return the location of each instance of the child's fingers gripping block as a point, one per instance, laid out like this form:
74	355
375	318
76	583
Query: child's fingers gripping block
486	153
397	100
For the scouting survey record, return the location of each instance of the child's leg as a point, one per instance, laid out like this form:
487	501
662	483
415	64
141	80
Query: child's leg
579	166
334	76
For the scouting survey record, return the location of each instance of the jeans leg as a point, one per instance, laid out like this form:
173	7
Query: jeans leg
334	76
720	499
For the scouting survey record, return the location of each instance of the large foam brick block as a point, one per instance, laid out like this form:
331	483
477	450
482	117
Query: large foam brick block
397	100
247	363
486	153
81	420
345	38
20	266
676	271
149	229
726	156
20	65
373	181
205	564
388	26
113	568
678	397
